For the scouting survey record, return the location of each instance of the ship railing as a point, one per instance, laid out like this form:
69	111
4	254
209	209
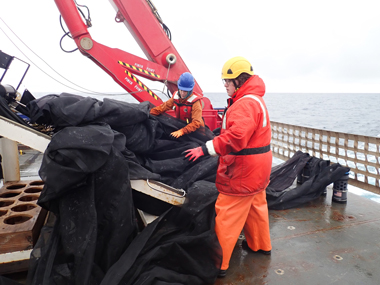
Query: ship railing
360	153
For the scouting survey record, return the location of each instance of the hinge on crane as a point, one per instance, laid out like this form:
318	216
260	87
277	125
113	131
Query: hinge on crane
119	17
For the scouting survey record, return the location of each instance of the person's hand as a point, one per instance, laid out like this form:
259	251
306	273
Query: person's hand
194	153
177	134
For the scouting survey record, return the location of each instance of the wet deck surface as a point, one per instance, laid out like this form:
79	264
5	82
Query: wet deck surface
319	243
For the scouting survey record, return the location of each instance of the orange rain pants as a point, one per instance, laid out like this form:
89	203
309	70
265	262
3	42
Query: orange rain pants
235	213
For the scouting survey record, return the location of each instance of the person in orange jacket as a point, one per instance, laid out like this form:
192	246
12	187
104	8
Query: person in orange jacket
187	105
245	161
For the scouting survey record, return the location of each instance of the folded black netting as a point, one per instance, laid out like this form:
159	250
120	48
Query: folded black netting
87	169
281	194
133	120
87	187
147	137
282	175
203	169
97	148
180	247
72	110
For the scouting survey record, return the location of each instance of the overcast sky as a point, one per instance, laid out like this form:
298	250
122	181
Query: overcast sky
295	46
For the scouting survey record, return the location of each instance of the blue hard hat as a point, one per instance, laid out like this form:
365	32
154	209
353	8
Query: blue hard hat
186	82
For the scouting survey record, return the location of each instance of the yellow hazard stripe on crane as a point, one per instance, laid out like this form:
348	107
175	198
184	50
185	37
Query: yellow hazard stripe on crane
141	85
139	69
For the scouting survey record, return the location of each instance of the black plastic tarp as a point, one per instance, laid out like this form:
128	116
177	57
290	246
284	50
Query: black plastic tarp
87	167
283	194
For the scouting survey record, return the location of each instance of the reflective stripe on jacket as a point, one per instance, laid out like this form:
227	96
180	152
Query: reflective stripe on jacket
245	126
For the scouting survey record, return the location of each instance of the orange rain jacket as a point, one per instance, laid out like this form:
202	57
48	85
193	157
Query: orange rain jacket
192	104
245	126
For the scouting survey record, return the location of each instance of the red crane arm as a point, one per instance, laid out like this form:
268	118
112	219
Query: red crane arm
164	62
122	66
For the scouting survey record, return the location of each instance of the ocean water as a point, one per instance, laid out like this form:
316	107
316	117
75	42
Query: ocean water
353	113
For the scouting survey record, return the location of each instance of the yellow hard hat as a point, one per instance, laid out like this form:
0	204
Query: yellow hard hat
236	66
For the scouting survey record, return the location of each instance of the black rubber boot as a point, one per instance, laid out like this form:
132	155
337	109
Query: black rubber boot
245	246
222	273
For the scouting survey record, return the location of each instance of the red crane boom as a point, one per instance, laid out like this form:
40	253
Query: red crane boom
164	63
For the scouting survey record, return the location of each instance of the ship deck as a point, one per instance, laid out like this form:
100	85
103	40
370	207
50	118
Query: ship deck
322	242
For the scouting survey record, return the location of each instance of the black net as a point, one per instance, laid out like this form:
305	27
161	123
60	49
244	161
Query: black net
283	192
87	188
180	247
97	148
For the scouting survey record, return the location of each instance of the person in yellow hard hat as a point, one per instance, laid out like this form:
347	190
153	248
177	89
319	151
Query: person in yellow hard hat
187	105
245	161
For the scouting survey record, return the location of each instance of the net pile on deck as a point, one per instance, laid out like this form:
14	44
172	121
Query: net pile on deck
87	167
281	192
